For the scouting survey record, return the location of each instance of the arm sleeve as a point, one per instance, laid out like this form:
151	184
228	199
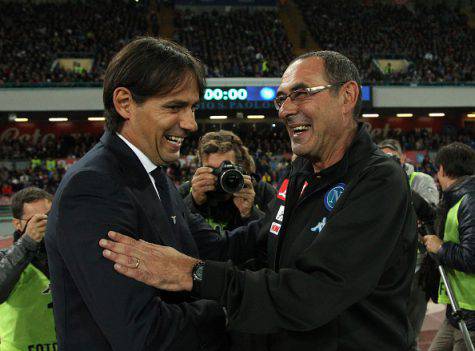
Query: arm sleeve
462	256
13	262
427	188
130	315
342	265
425	211
238	245
256	214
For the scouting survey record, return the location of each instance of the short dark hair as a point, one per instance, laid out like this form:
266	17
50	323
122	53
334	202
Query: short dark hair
26	196
392	144
224	141
338	69
148	67
457	159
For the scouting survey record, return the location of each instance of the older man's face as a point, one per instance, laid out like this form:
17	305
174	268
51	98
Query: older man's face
315	123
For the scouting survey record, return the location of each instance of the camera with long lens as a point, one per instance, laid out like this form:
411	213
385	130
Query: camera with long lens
230	178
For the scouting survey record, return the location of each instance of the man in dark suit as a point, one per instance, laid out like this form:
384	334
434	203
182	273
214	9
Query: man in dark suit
151	89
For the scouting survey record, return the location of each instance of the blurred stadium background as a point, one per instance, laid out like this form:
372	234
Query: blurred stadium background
416	59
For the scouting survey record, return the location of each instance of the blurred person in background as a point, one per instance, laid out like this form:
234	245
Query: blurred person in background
26	315
425	198
454	244
222	209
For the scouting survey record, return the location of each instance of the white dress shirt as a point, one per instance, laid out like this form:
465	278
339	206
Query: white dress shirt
144	160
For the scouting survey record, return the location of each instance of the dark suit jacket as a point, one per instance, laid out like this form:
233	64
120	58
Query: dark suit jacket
96	308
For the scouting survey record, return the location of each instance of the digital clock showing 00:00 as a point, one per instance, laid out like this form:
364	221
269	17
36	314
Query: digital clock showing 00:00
228	94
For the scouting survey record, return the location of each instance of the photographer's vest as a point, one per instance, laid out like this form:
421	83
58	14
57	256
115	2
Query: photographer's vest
26	318
463	284
412	177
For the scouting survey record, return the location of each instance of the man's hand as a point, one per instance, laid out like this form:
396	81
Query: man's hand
432	243
36	227
202	182
160	266
244	199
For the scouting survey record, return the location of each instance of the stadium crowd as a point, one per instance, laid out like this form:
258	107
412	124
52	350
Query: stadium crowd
239	42
433	38
234	43
34	35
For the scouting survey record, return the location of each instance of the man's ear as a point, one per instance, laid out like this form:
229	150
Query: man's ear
123	101
403	158
442	171
17	224
350	95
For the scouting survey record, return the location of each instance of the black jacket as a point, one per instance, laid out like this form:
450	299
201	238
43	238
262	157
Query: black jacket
225	213
96	308
340	257
460	256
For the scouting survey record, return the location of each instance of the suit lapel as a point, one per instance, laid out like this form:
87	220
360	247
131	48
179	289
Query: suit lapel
136	178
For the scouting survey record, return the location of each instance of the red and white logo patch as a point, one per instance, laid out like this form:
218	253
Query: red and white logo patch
282	193
275	228
280	214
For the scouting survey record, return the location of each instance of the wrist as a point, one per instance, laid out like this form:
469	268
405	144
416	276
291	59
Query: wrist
246	215
36	238
198	200
439	248
29	243
197	278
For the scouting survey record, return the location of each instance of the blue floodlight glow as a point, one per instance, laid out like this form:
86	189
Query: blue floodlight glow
267	93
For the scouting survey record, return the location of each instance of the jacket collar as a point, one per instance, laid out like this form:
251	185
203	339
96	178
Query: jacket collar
360	148
144	160
461	187
138	180
128	160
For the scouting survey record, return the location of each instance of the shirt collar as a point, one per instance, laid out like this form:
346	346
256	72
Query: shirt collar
144	160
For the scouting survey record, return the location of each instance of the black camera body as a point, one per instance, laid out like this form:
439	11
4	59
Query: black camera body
230	178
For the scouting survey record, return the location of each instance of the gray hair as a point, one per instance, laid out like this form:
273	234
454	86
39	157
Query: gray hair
338	69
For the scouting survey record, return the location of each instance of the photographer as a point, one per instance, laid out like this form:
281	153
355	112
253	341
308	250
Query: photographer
26	315
425	198
226	208
454	247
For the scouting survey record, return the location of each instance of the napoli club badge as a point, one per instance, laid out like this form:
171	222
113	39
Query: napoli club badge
332	196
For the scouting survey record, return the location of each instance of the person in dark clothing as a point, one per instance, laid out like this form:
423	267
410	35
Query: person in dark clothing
455	244
425	198
224	210
151	90
335	255
26	317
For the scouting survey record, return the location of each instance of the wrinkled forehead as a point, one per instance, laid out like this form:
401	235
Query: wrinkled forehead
305	73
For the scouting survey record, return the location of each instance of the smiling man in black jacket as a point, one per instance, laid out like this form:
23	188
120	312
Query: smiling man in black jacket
335	256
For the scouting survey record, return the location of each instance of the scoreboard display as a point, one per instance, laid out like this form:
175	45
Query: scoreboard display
249	97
